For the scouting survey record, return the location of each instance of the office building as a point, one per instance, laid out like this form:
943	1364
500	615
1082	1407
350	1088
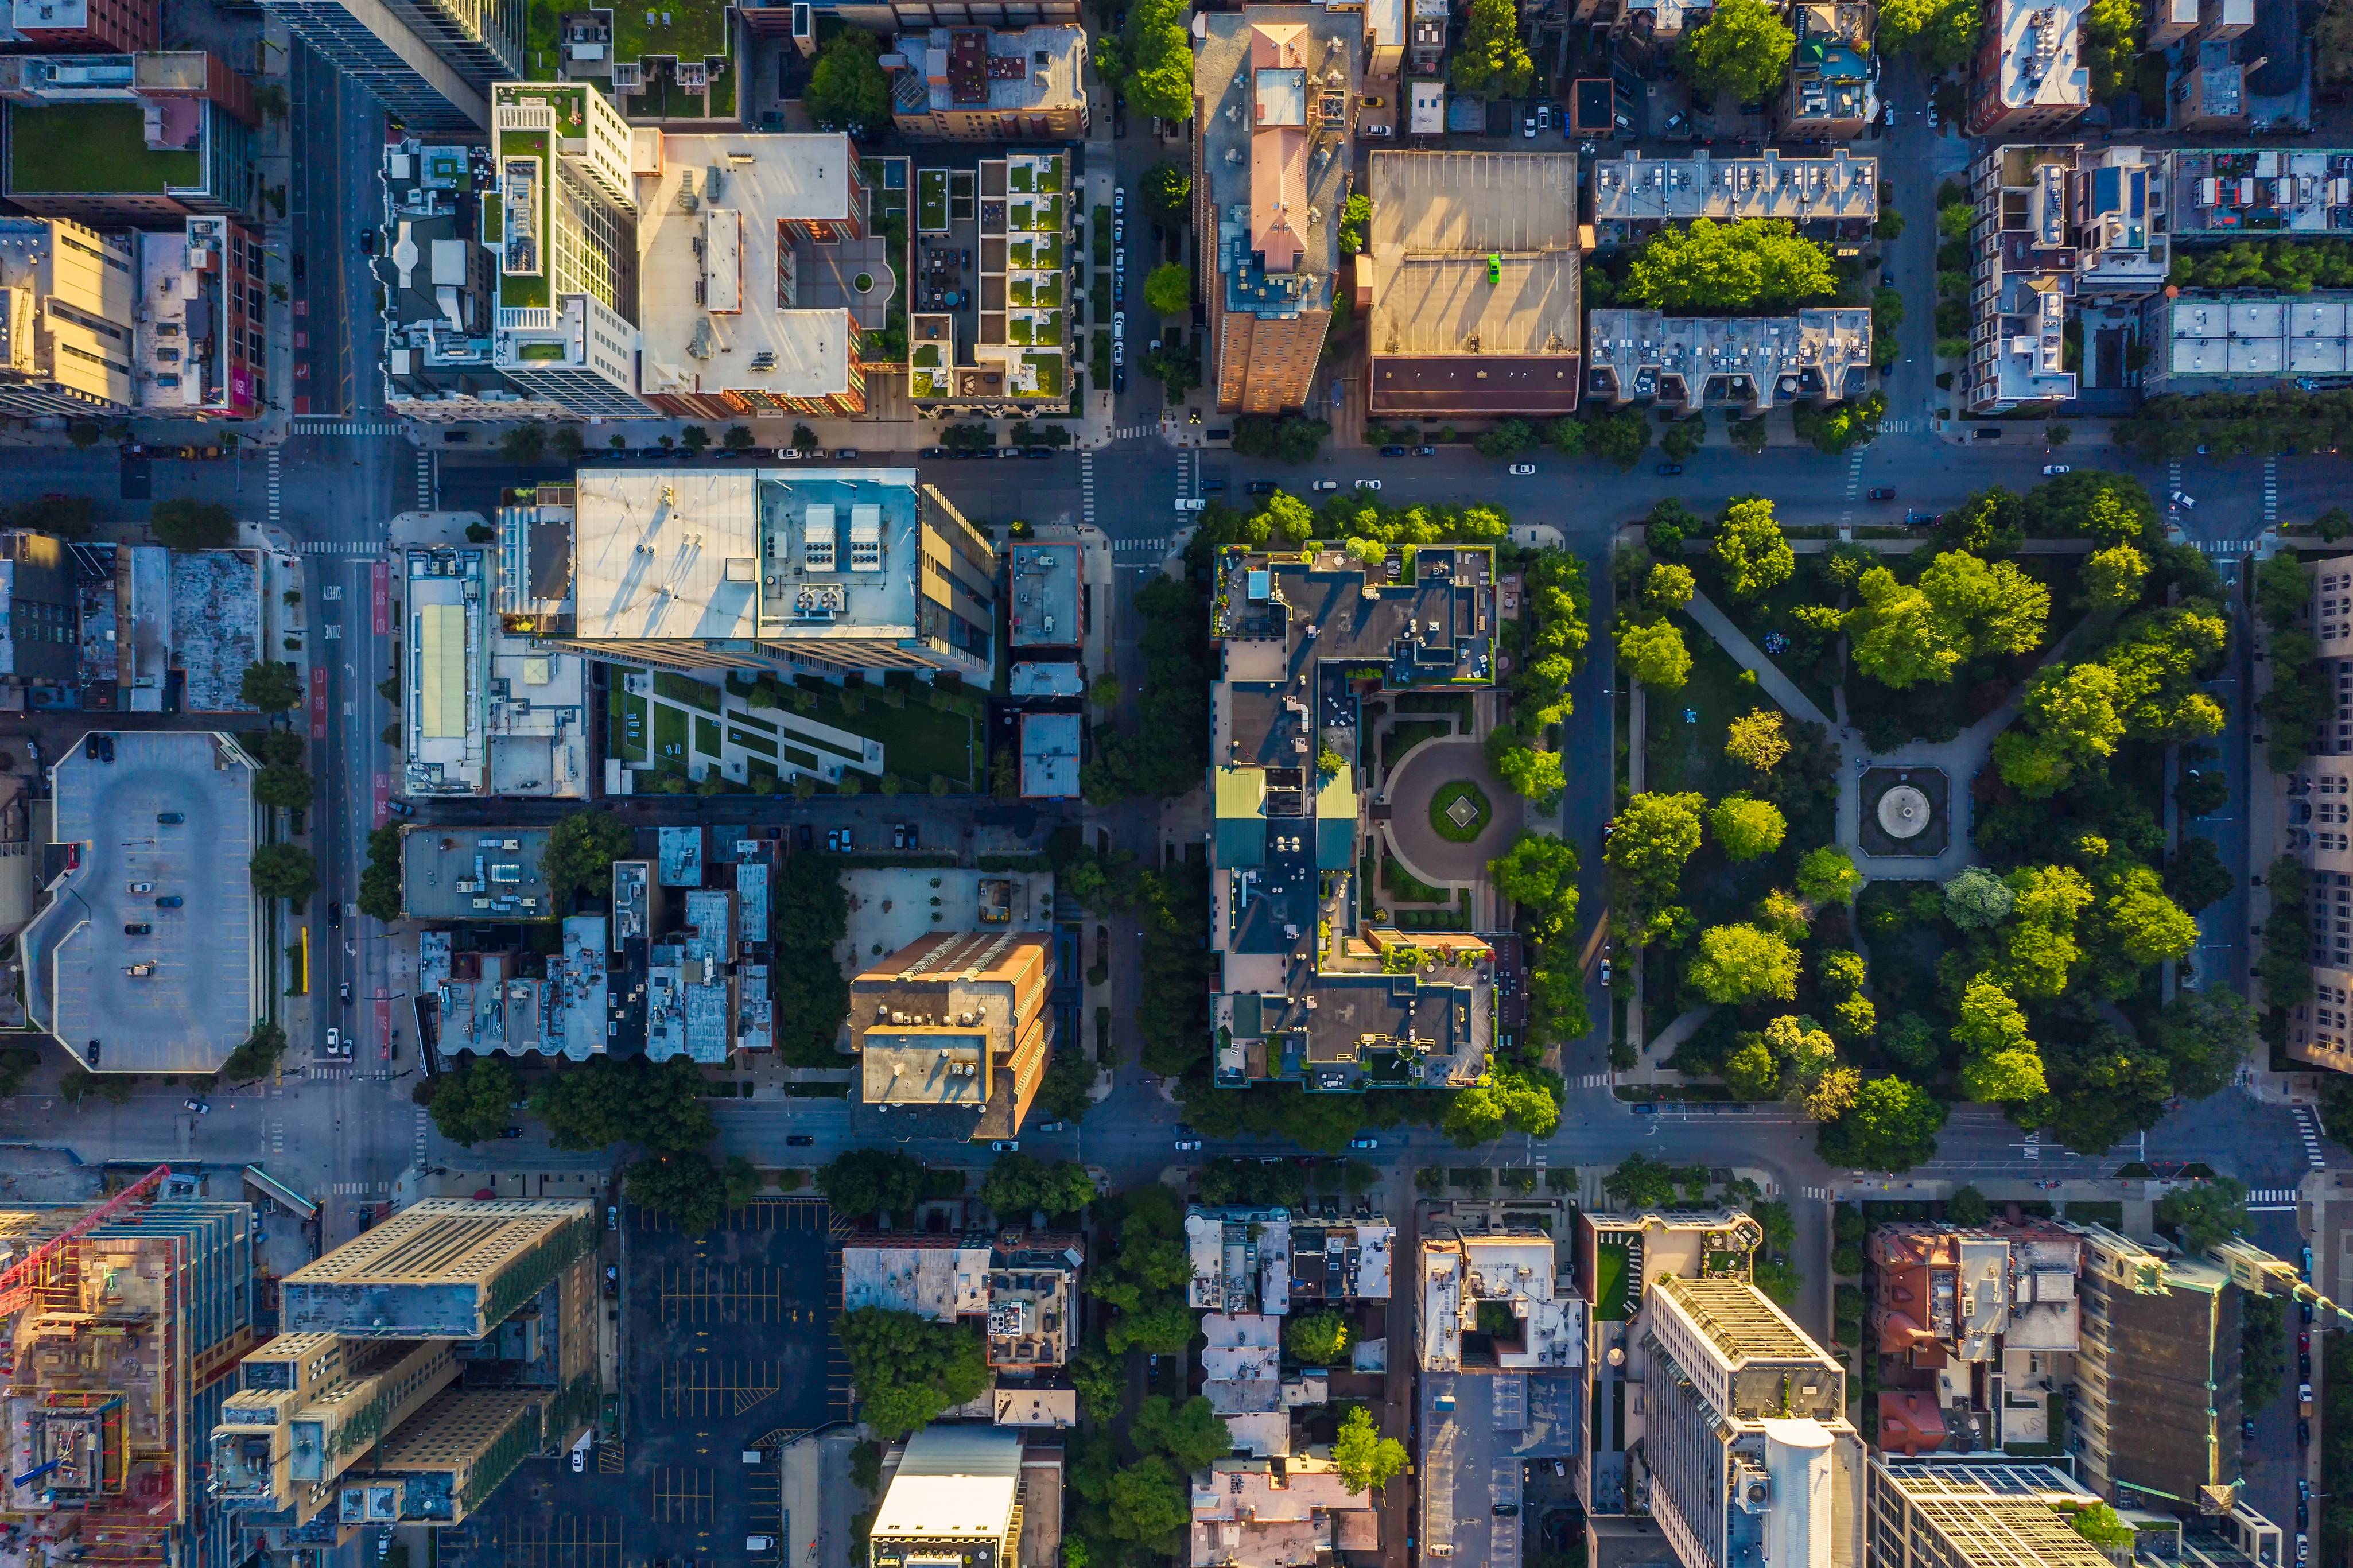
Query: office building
673	65
2246	343
416	1366
39	623
474	873
124	1319
833	569
972	84
2156	1415
199	344
563	229
2057	229
1744	365
1832	91
124	981
483	711
431	63
2029	78
2316	830
1303	992
96	26
1835	197
750	248
1004	347
1470	279
1273	87
956	1024
1976	1511
1750	1454
142	139
958	1493
72	297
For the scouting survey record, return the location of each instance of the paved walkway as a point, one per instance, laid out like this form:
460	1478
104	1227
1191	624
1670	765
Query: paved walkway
1420	775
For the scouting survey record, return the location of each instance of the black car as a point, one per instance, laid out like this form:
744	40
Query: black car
99	747
1882	492
89	1054
344	991
1668	470
799	1140
2303	1428
335	916
933	453
2304	1366
1118	378
509	1132
367	241
173	901
807	838
2247	1428
1038	454
138	928
1262	487
986	454
2303	1515
171	819
1392	451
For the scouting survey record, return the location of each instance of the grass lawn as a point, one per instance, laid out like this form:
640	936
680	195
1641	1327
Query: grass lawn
1774	611
1404	737
918	740
688	690
706	737
1445	825
1680	755
1409	888
931	201
625	717
1455	702
683	29
91	147
669	737
1610	1282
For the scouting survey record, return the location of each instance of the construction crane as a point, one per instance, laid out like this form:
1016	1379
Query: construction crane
16	1286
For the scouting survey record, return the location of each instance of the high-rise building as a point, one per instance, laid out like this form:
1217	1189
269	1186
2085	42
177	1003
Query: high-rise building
956	1023
430	62
143	139
563	229
123	1321
1274	90
2029	78
416	1366
70	298
2156	1415
1976	1511
484	710
72	25
1748	1442
2316	830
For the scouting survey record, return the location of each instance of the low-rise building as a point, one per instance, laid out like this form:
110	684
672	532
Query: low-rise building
484	710
1832	88
70	298
1472	289
960	1493
1267	1260
1832	195
1279	1514
2029	78
1495	1301
516	1002
96	26
199	344
2222	194
1746	365
130	139
956	1024
1978	1330
973	84
989	327
2246	343
39	621
484	873
1049	755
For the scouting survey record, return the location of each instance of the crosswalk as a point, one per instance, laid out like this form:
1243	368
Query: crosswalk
1186	466
2172	487
1821	1193
1135	432
425	480
1087	486
2271	491
274	486
2227	547
2307	1128
358	1188
342	547
2272	1195
349	427
276	1130
1898	426
1854	474
1590	1081
1158	544
424	1124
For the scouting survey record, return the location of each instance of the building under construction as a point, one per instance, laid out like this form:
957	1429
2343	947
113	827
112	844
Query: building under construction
123	1320
420	1363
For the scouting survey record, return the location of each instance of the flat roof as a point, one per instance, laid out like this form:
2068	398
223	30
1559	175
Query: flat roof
1049	757
200	1001
953	1481
1438	219
1045	608
474	873
666	555
1636	189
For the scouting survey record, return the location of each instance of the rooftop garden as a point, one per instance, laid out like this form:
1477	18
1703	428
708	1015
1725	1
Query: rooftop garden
91	147
681	29
931	201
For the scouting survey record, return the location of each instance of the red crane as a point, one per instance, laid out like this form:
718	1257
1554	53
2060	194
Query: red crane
17	1285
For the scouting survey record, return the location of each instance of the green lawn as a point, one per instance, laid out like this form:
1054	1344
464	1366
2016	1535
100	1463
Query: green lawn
1444	826
918	740
688	690
91	147
1409	888
931	201
683	29
669	737
625	718
706	737
1404	737
1683	755
1609	1283
1774	611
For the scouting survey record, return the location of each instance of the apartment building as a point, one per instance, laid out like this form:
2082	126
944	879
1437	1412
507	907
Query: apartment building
1744	365
990	329
679	67
2155	1420
2057	229
563	225
956	1024
1469	280
1269	1261
1273	88
1289	1509
1020	1287
1977	1330
2317	828
1832	91
1494	1300
431	63
1833	196
483	711
2217	195
973	84
2243	342
2029	78
142	139
71	298
520	1004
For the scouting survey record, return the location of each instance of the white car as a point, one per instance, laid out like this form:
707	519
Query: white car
1005	1146
2182	500
1326	484
1368	484
142	887
1528	126
787	454
2051	469
1118	325
1520	468
1118	200
1191	504
334	1041
1188	1146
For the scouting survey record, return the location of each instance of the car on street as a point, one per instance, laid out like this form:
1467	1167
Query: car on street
1364	1143
1544	116
1188	1146
138	928
1646	1108
933	452
171	819
1005	1146
1919	519
1368	484
367	241
1260	487
334	1041
197	1107
1528	125
1668	470
509	1132
1392	451
1326	484
1038	454
142	887
1425	452
1192	504
899	836
2302	1340
1880	493
799	1140
2247	1428
1933	122
399	809
1118	373
1051	1126
612	1216
1118	201
1605	971
2183	500
1520	468
344	991
804	836
846	454
579	1461
2303	1428
2052	469
1505	1509
169	901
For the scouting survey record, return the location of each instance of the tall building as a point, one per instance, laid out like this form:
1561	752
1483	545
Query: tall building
72	26
1002	348
957	1023
484	712
971	84
1749	1449
70	296
124	1320
1273	88
2316	830
1976	1511
416	1366
430	62
143	139
2155	1415
1469	277
563	225
2029	78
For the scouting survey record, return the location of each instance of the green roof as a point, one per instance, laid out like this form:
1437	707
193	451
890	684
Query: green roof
100	148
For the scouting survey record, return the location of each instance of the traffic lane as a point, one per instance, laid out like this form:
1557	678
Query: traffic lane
2271	1461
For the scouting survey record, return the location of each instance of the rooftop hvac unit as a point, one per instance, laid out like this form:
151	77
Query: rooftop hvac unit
818	540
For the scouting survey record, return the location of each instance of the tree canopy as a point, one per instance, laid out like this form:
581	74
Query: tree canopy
473	1104
1653	651
2205	1214
1751	550
1168	289
1891	1125
847	90
1017	1184
1746	828
907	1369
1743	48
1744	963
283	871
1153	59
1961	608
180	523
690	1189
1828	875
1362	1455
602	1102
1317	1339
270	685
1491	60
1751	264
1941	33
863	1182
1188	1432
581	850
1755	738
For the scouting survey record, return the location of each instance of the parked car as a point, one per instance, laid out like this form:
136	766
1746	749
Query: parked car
171	819
1668	470
1879	492
1521	469
1005	1146
1392	451
1262	487
1368	484
509	1132
579	1461
1544	116
1425	452
1188	1146
1038	454
846	454
1527	125
1118	202
99	748
2051	470
399	809
142	887
1055	1126
806	836
933	452
138	928
1605	971
1364	1143
799	1140
1326	484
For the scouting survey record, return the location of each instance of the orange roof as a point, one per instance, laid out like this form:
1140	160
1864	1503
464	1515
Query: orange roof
1279	198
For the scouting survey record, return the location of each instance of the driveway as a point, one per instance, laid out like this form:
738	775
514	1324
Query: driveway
1426	770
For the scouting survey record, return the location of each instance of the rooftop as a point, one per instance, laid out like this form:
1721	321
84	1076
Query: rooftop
485	712
983	70
2219	193
182	993
1994	1513
1757	361
1542	1323
1045	608
474	873
438	278
487	1004
2041	66
1049	757
1276	83
991	323
107	148
953	1483
2259	337
1635	190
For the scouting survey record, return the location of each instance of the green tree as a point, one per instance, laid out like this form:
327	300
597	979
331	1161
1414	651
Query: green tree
864	1181
380	880
180	523
1750	550
1743	963
2146	926
600	1103
524	443
581	850
1168	190
1507	1097
1751	1074
1154	58
2113	579
1755	738
1828	875
2205	1036
2195	876
1620	436
1962	608
474	1103
1168	289
2103	1528
270	686
283	871
1749	264
1968	1206
1147	1503
1655	834
1317	1339
1667	588
692	1190
1019	1183
1188	1432
847	90
1891	1125
1355	222
1743	48
1362	1455
1532	773
1491	61
1539	873
1940	33
1746	828
280	785
2039	946
1653	651
256	1059
908	1369
1978	900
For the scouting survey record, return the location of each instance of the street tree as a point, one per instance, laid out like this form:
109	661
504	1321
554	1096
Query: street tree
1168	289
1756	739
1668	587
1533	773
1361	1455
278	785
283	871
863	1182
686	1186
270	686
1750	549
1741	963
847	90
1891	1125
254	1059
474	1103
581	850
2205	1036
1655	834
1743	49
524	443
1168	191
1017	1184
2206	1214
600	1103
1539	873
1746	828
1153	56
1940	33
1653	651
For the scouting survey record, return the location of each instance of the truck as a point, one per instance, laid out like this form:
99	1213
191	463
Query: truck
2304	1400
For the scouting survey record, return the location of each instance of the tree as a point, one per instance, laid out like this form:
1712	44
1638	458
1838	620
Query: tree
1532	773
1017	1184
1638	1182
1751	1074
2113	579
1622	436
1748	264
600	1102
1743	48
1828	875
1829	1095
2039	946
2205	1036
581	850
380	880
1355	222
283	871
1653	653
1743	963
475	1103
1153	58
1667	588
2146	926
1317	1339
1188	1432
694	439
688	1188
270	686
1168	190
863	1182
2195	877
254	1059
847	90
567	443
1168	289
1978	900
1507	1097
1749	548
908	1369
1491	60
1962	608
1362	1455
1147	1502
1941	33
1655	834
180	523
1756	739
804	440
524	443
2206	1213
2103	1528
1891	1125
1746	828
1539	873
282	786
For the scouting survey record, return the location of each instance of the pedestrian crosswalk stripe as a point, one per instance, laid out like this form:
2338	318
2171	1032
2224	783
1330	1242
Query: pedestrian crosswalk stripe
273	471
2307	1127
342	547
424	486
1087	486
1894	427
1590	1081
2272	1196
1158	544
2271	491
349	427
